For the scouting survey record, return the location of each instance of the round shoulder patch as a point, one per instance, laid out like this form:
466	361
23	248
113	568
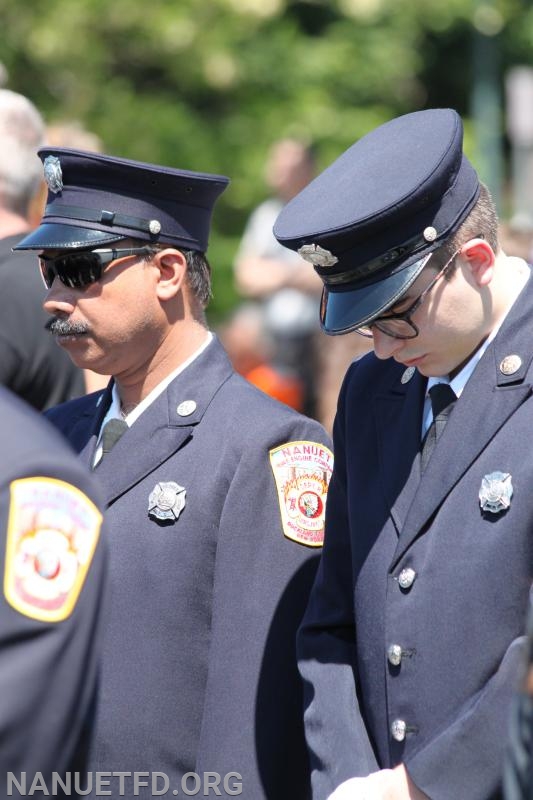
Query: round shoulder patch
52	533
302	471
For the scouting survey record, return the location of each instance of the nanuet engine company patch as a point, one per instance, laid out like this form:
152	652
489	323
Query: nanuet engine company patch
53	530
302	471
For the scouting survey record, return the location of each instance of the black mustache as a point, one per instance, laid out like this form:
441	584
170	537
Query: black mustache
62	327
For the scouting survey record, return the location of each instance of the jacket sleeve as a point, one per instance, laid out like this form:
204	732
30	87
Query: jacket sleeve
253	720
448	766
337	739
48	668
518	766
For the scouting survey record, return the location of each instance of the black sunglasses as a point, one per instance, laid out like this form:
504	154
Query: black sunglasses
77	270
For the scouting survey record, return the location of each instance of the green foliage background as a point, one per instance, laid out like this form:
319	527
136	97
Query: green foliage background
209	84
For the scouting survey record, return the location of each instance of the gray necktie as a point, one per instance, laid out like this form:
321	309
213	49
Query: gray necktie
442	399
113	430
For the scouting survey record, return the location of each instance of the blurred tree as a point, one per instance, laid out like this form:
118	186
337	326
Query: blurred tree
209	84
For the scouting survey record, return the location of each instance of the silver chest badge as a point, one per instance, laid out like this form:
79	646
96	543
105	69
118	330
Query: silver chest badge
408	374
166	501
495	492
52	174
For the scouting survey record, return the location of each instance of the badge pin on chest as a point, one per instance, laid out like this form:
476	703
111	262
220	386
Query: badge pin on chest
407	375
496	492
166	501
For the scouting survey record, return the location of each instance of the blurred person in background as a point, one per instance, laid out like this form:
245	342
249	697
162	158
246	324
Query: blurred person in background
277	277
31	364
250	347
516	238
67	133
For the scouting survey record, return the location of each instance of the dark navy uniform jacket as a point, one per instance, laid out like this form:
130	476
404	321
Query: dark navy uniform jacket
199	670
48	668
413	561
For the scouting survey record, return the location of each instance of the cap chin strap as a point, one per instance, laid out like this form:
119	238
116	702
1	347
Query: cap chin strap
108	219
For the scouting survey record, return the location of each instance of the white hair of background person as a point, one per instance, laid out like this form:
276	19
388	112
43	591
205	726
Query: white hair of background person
22	132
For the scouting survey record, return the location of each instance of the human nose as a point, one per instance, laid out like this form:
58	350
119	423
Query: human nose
385	346
59	300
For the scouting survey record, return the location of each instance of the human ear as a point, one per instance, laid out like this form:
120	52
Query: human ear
172	267
480	259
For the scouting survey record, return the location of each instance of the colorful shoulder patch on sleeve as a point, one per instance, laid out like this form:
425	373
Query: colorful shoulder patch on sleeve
53	529
302	471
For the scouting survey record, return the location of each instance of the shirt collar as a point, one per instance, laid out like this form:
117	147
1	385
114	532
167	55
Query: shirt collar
113	412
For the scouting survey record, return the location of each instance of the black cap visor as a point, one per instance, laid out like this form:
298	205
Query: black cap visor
55	236
345	310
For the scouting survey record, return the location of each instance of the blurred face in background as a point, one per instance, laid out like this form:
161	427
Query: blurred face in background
289	169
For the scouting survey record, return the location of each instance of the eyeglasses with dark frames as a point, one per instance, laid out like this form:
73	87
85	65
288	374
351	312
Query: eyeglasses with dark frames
401	325
78	270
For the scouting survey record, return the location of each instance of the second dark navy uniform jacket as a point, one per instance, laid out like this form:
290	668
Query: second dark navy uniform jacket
199	670
413	561
50	624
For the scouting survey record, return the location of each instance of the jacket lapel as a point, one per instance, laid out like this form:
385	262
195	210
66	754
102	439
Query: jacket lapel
471	426
161	431
398	423
83	432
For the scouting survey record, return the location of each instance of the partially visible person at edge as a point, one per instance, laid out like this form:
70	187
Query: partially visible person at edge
215	492
30	364
518	770
53	568
412	640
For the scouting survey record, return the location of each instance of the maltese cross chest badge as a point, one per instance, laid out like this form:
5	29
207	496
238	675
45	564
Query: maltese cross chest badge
166	501
495	492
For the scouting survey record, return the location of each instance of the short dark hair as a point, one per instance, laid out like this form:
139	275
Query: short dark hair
199	276
481	221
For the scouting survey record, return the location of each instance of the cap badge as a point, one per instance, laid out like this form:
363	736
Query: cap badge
166	501
154	226
510	365
430	234
408	374
52	174
495	492
316	255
